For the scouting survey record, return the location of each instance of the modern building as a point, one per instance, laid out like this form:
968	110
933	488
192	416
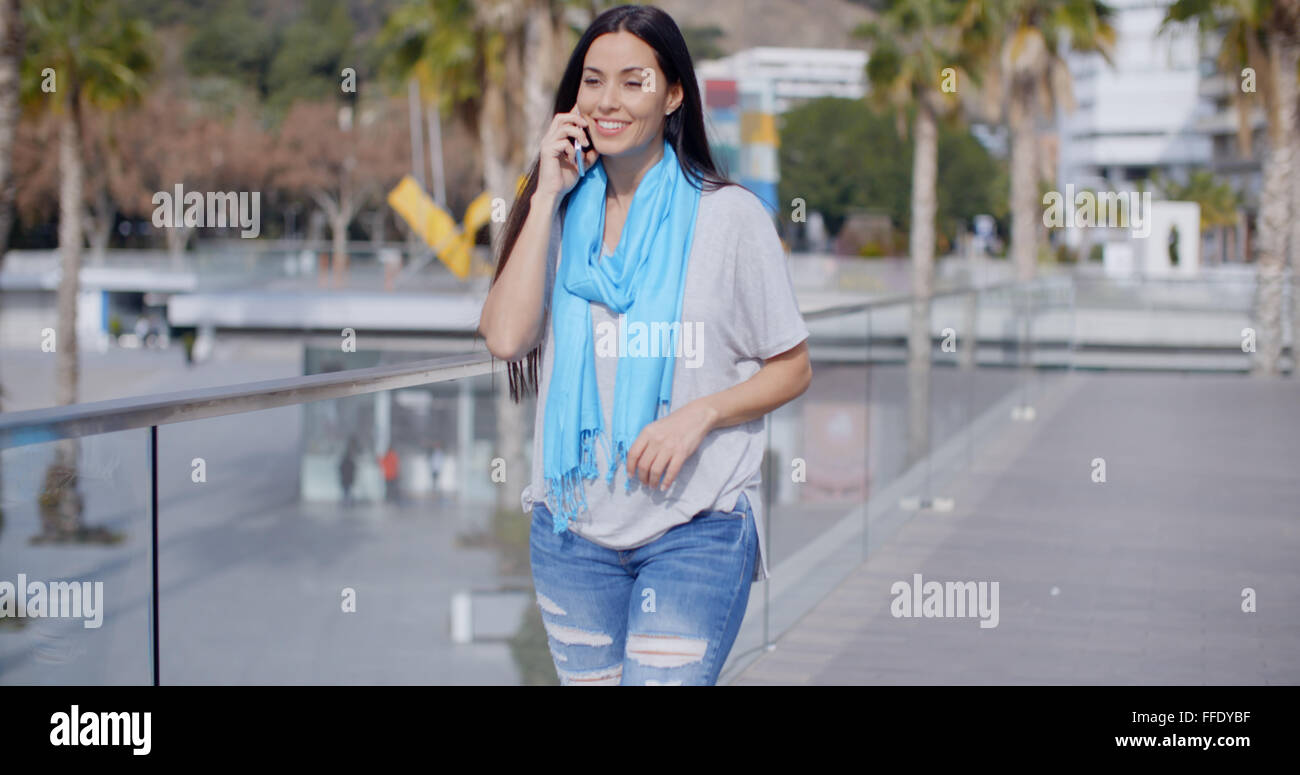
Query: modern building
744	93
1142	113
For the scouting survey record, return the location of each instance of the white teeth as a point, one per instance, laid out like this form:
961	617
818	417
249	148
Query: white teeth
607	125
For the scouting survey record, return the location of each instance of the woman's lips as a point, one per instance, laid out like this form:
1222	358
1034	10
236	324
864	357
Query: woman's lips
608	132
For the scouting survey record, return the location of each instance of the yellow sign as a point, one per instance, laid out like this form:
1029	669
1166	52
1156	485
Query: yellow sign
451	243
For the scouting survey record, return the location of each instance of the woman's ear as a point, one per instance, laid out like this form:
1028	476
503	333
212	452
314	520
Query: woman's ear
675	96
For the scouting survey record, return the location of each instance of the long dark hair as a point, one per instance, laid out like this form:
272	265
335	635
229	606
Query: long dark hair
683	129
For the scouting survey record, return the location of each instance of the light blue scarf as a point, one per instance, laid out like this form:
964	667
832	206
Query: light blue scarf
644	278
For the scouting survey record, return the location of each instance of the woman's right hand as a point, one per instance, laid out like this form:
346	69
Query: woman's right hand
558	166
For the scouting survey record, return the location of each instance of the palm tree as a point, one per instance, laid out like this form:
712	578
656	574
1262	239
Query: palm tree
466	56
921	51
96	60
1264	34
1035	79
11	57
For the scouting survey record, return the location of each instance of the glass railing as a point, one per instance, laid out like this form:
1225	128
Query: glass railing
1208	322
217	265
880	435
215	524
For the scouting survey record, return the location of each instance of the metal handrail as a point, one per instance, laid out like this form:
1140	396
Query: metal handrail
39	426
840	310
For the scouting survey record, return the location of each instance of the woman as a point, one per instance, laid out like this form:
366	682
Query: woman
645	583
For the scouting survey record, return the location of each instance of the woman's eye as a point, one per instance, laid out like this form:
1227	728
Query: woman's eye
591	80
634	83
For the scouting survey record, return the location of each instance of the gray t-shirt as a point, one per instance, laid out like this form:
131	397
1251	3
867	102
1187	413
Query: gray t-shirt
738	309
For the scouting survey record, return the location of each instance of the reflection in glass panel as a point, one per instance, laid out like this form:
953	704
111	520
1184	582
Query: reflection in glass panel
74	562
420	575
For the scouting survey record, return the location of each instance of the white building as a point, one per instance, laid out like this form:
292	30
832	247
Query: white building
795	74
1140	115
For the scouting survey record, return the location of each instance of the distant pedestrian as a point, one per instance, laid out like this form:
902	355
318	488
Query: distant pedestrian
348	472
389	462
436	462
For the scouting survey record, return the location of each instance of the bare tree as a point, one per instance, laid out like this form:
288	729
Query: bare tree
343	162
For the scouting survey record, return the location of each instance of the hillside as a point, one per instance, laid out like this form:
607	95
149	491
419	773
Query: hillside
798	23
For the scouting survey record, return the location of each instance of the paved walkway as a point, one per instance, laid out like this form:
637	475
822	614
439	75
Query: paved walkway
1137	580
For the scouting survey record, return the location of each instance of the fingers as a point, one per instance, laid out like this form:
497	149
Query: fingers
564	125
647	464
575	133
570	119
655	473
670	475
634	454
563	148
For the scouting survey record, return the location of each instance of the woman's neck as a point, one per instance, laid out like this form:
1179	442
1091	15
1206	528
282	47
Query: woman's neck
624	173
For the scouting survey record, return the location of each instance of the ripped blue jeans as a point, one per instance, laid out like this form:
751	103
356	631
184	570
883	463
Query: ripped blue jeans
665	614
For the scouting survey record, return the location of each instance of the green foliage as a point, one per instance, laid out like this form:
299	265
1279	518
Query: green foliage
232	44
438	43
703	42
280	53
841	155
95	51
1219	201
309	58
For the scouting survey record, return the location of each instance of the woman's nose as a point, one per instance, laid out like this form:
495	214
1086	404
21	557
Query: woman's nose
609	99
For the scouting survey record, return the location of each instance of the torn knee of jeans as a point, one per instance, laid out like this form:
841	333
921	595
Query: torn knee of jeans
576	637
605	676
665	650
548	605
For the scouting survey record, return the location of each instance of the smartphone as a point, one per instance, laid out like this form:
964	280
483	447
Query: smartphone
578	151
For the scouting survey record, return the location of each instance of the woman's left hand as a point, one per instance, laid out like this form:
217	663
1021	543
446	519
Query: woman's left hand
664	445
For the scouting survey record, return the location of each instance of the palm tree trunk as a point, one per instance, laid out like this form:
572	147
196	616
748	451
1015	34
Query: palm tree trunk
1294	244
1025	207
11	56
924	171
537	36
1275	206
61	505
539	81
98	225
177	236
494	141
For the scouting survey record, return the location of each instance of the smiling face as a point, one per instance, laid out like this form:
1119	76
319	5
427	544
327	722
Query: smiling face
625	95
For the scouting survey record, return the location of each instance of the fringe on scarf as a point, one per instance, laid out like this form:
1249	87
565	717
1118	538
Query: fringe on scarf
620	457
567	491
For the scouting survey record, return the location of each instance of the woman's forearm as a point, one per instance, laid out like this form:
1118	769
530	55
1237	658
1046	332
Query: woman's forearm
781	380
511	319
